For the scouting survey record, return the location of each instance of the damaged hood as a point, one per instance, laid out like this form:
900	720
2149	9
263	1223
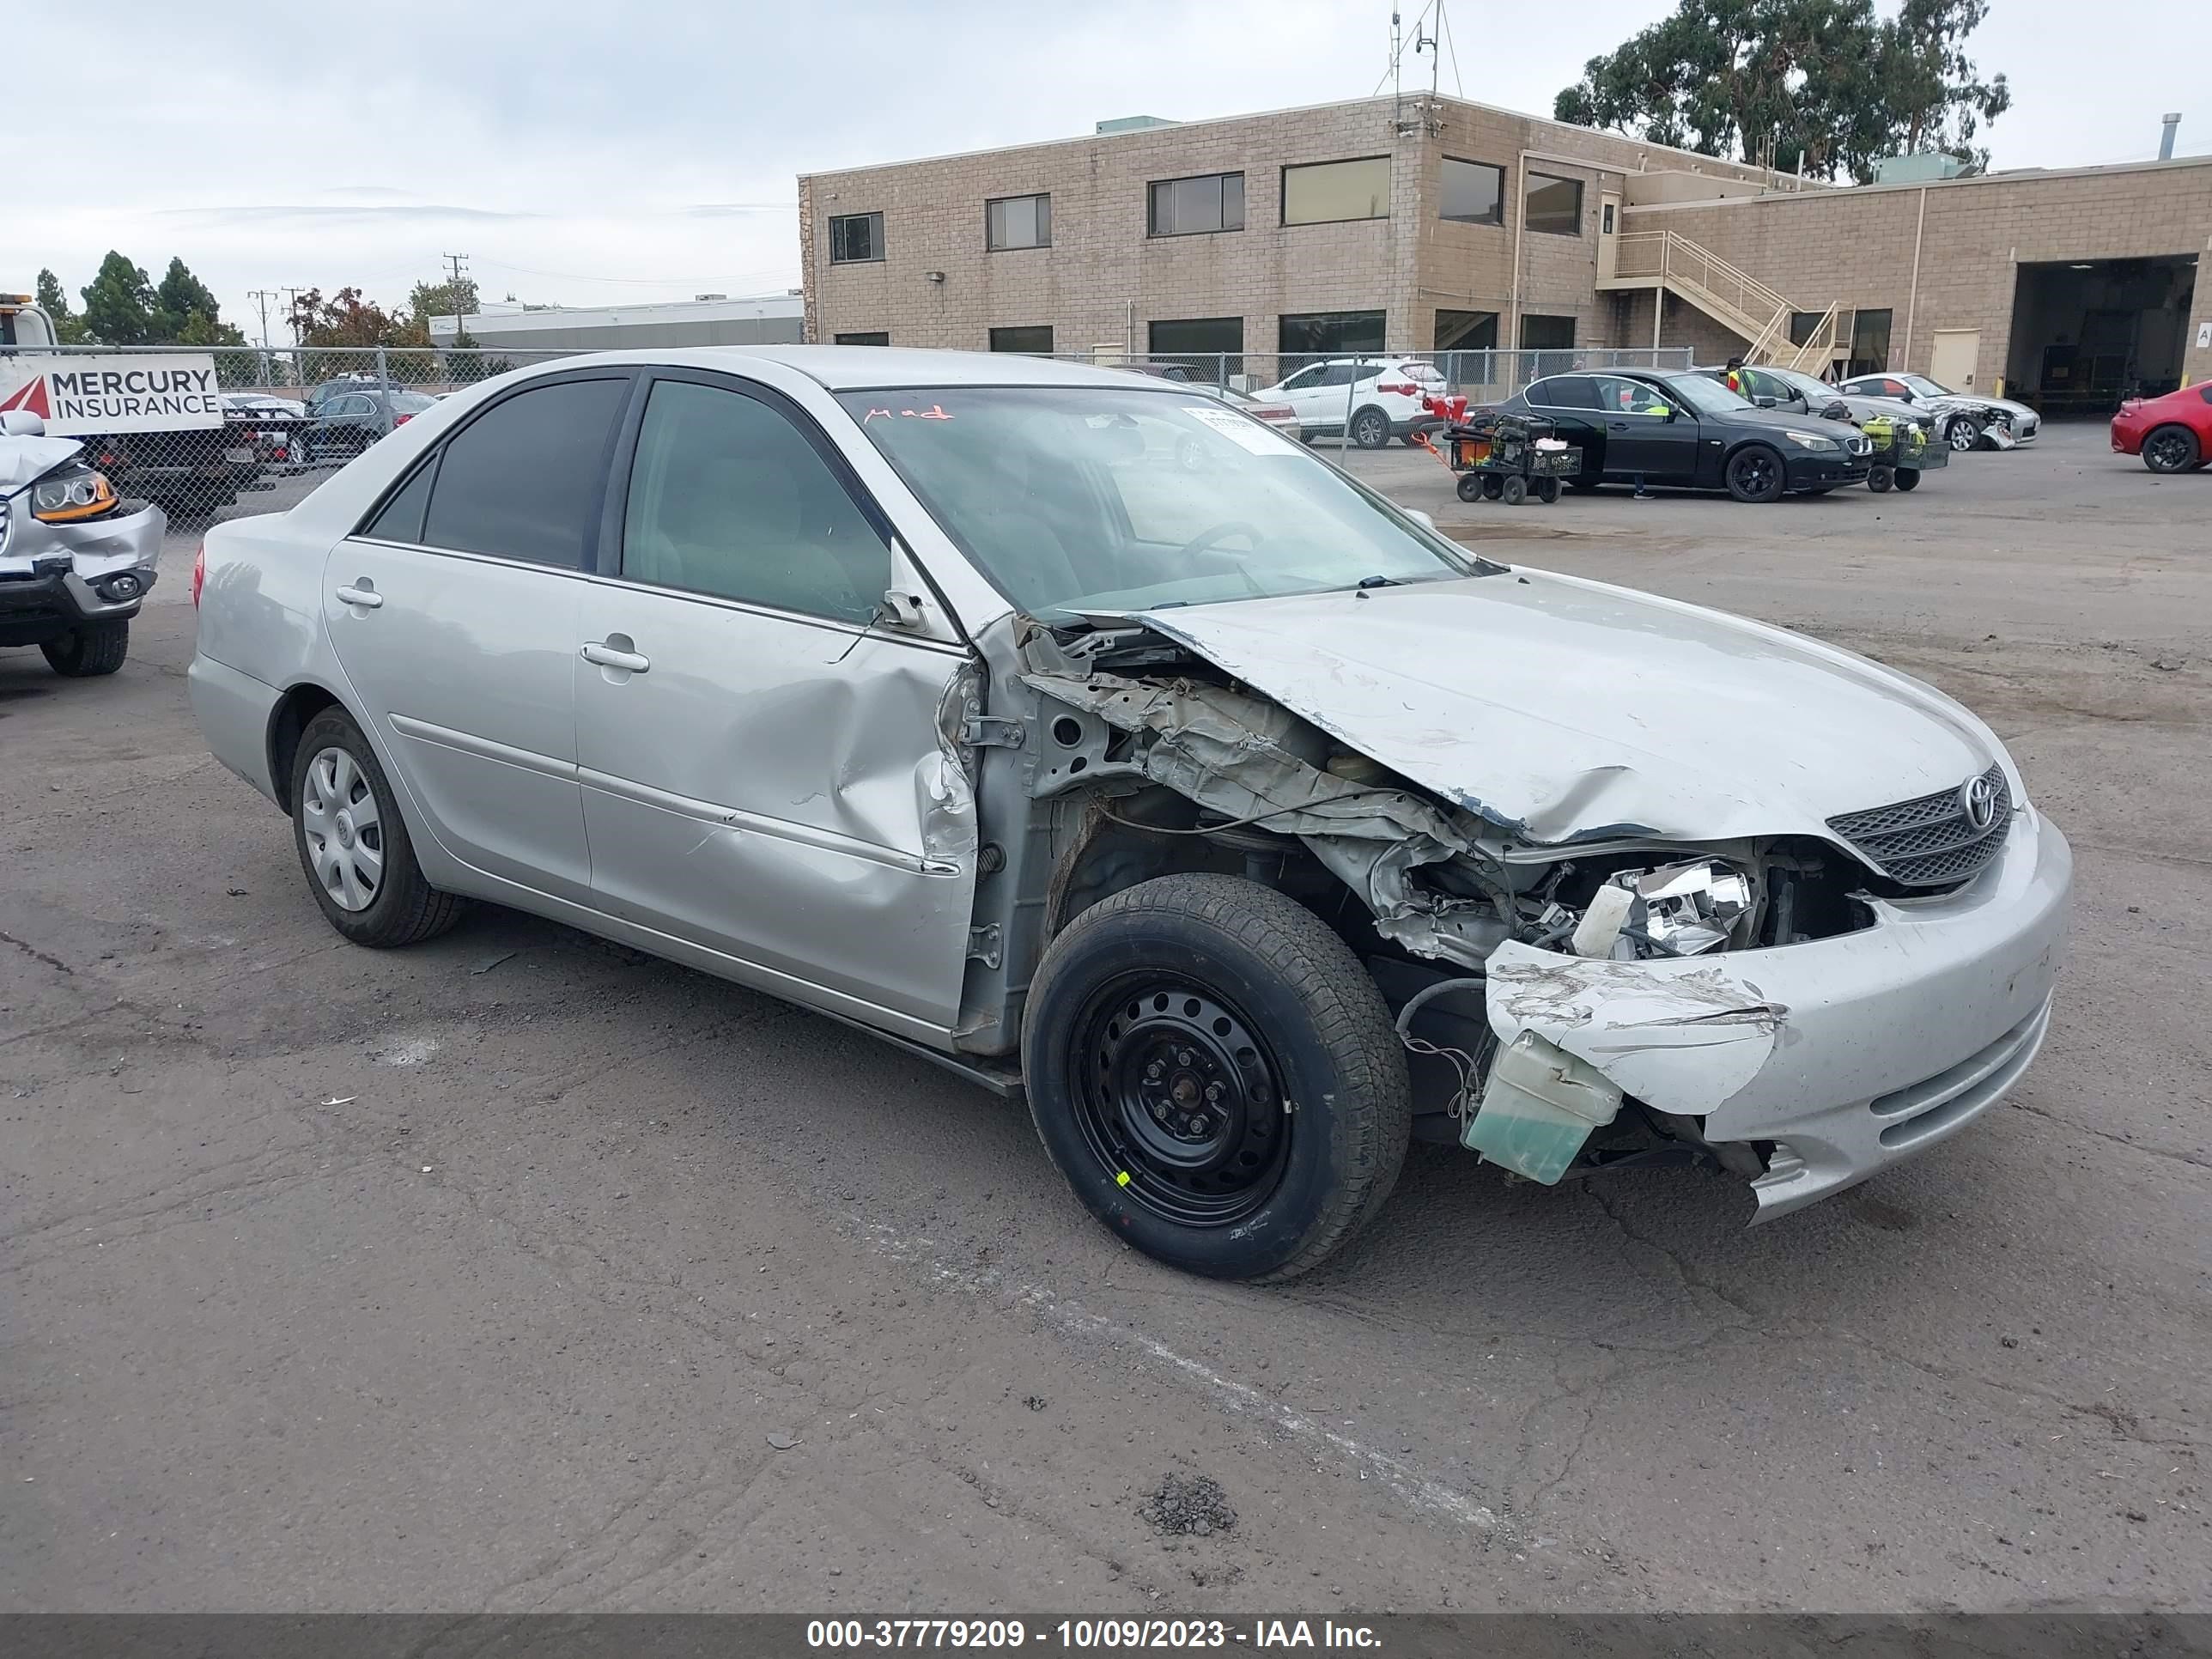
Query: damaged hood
1563	709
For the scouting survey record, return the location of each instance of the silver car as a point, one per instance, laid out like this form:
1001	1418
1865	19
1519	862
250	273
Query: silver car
1243	824
77	561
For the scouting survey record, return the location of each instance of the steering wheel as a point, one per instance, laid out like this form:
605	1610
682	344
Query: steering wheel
1204	540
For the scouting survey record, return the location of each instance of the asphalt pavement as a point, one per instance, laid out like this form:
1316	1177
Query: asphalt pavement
516	1271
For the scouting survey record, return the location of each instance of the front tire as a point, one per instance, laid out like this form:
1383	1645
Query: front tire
354	845
2171	449
1908	477
1880	480
1755	474
1963	433
1470	486
93	649
1215	1074
1370	428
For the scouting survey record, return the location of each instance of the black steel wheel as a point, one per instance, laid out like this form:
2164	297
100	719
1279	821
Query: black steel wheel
1755	474
2170	449
1470	486
1493	486
1880	480
1547	490
1216	1075
1908	477
1178	1093
1513	490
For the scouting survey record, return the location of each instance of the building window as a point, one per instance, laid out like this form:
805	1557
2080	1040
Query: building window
855	238
1869	343
1198	334
1467	331
1186	207
1547	333
1330	333
1553	205
1474	192
1037	342
1017	222
1803	324
1605	220
1327	192
877	338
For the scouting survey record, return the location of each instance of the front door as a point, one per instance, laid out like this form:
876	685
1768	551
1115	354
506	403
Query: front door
763	770
454	616
1645	432
1957	353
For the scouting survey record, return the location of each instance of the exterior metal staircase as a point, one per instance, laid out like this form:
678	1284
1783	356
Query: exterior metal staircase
1670	264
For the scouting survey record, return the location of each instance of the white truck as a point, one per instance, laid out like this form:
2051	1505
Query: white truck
154	422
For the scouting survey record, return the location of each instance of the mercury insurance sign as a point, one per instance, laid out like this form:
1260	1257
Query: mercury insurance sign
81	397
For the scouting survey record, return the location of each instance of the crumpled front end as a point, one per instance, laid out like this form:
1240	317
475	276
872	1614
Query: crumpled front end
1798	1008
70	553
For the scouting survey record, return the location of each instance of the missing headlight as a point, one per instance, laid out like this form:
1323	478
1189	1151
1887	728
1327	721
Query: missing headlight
1672	910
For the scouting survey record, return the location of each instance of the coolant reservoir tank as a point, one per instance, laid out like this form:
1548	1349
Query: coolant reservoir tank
1539	1106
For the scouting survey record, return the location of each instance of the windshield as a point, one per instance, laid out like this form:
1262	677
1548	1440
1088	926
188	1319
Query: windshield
1708	398
1922	384
1813	391
1083	500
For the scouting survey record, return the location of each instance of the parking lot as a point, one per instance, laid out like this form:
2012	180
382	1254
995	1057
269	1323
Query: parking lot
517	1272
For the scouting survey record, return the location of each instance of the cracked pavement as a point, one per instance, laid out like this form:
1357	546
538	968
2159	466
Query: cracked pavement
516	1271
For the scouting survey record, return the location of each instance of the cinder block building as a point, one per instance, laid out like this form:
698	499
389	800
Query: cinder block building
1435	224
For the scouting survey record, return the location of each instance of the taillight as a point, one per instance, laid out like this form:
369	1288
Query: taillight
1398	390
199	574
401	419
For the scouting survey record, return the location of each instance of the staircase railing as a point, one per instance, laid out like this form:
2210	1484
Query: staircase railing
1760	313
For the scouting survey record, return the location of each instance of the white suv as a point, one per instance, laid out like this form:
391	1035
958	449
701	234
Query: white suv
1383	396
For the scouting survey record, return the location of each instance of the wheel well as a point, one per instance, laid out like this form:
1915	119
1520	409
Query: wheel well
1371	409
298	706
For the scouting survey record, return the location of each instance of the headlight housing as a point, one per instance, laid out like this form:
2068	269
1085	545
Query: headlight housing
1809	440
71	495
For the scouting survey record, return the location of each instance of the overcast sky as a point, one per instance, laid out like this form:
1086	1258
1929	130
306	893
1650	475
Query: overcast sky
584	154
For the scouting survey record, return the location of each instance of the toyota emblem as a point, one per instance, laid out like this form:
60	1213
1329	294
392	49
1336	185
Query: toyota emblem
1979	797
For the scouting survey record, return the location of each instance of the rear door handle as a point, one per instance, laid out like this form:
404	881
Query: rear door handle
608	657
361	597
1618	425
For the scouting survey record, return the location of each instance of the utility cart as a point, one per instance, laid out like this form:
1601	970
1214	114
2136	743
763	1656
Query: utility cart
1503	456
1903	450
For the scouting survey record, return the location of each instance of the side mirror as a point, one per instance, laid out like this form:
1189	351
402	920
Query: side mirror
1765	403
21	424
899	608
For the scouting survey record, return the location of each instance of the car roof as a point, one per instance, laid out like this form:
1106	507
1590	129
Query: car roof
854	368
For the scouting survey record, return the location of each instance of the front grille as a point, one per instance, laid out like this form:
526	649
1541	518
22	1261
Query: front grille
1929	840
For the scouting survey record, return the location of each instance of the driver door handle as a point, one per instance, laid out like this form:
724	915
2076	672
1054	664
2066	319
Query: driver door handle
608	657
362	598
1618	425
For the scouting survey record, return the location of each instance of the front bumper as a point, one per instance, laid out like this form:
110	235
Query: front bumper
1810	468
54	577
1845	1056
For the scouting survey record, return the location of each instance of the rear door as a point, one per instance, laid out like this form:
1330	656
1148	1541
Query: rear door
763	768
453	613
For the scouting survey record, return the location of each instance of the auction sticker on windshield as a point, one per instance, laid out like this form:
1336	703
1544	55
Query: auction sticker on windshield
1238	429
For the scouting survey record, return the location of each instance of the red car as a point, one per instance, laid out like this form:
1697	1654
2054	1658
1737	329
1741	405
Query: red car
2172	433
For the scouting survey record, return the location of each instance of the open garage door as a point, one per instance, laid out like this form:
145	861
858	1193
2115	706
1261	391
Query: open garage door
2086	333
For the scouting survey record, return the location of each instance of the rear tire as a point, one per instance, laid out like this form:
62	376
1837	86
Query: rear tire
1755	474
1370	428
1470	486
1547	490
1880	480
93	649
335	774
2171	449
1908	477
1214	1072
1513	490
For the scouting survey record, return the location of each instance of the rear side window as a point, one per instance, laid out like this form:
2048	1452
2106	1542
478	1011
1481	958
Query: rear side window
1565	391
522	480
401	518
729	497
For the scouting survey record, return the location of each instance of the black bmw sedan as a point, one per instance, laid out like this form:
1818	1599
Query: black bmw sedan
1683	431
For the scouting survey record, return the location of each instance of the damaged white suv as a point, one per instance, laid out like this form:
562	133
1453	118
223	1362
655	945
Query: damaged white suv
1246	825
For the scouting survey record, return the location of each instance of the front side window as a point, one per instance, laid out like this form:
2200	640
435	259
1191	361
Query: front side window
727	497
1474	192
1618	395
1017	222
1080	499
855	238
523	479
1188	207
1553	205
1325	192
